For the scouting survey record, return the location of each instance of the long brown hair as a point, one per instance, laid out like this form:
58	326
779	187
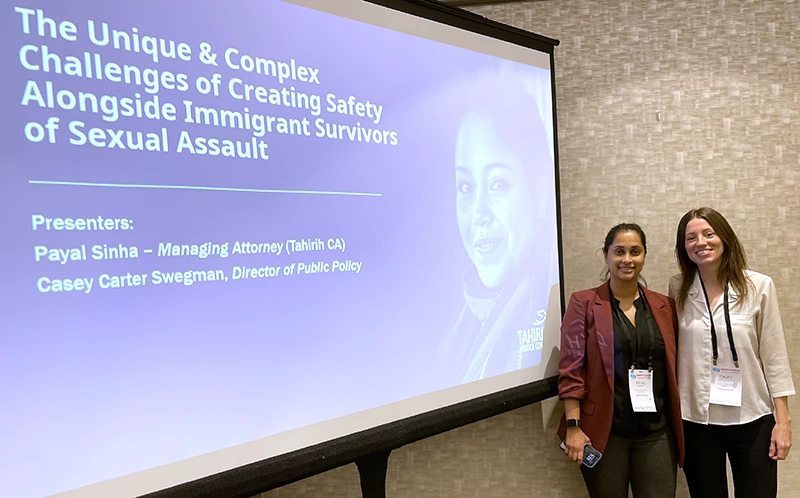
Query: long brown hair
733	261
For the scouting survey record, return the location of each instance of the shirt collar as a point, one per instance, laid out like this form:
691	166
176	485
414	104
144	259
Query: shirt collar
615	302
696	290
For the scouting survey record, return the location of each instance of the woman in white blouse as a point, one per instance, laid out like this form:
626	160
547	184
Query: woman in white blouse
733	367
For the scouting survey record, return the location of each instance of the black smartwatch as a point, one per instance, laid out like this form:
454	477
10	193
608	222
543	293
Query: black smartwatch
573	422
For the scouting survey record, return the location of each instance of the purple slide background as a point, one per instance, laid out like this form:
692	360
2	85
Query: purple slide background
103	384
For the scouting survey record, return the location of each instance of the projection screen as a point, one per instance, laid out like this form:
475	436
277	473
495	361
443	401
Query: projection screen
232	230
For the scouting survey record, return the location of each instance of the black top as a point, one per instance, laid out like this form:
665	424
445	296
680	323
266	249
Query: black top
636	350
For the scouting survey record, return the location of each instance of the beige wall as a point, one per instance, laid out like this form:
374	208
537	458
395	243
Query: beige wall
724	76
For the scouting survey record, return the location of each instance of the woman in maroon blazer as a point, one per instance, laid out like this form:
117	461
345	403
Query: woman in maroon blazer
617	378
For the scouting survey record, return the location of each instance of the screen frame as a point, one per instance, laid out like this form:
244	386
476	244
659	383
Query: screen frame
278	471
272	473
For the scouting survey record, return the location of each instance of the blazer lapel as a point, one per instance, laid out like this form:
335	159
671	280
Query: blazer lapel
604	326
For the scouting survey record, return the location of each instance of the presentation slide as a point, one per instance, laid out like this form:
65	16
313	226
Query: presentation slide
234	229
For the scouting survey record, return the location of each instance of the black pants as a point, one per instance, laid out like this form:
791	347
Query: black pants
755	474
648	465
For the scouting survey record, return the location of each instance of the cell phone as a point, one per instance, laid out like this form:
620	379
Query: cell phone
590	455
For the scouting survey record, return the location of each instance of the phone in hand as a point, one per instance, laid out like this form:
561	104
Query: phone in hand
590	455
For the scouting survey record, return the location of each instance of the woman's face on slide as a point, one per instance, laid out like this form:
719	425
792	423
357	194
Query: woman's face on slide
494	205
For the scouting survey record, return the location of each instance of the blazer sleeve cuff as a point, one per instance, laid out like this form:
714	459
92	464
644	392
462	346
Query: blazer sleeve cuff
578	394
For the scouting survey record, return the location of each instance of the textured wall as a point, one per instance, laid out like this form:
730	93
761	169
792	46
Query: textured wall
662	106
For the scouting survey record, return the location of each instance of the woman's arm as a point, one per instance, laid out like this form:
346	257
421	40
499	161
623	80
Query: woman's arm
775	358
576	438
781	441
571	384
771	341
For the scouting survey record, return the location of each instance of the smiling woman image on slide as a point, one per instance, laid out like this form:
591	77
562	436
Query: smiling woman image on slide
503	171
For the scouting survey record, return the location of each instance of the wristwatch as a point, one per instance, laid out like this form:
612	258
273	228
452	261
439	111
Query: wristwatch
573	422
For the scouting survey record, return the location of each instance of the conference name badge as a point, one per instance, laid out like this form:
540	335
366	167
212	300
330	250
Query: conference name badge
726	386
640	385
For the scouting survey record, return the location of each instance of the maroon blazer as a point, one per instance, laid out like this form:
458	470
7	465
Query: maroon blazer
586	367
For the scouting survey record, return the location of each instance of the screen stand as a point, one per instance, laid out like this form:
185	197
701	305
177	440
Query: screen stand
372	471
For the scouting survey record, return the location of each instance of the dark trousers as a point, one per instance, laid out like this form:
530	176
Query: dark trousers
755	474
648	465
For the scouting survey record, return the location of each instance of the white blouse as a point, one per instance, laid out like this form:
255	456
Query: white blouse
759	341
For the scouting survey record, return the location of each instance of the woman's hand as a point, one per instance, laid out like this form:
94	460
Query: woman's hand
781	441
575	442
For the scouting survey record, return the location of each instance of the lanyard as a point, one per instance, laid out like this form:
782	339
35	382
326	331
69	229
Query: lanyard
634	358
650	327
727	326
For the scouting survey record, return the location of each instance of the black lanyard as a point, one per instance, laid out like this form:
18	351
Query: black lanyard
635	358
727	325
